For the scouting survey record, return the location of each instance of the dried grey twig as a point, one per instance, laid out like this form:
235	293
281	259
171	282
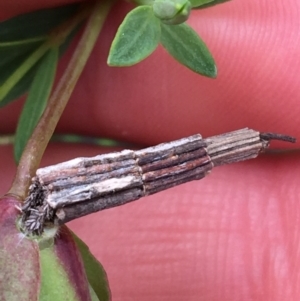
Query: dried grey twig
75	188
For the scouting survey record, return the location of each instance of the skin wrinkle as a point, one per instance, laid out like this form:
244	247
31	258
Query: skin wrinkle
286	258
204	104
253	255
217	173
247	258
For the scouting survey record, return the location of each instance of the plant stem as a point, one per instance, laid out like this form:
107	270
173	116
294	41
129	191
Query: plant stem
7	139
22	70
37	144
22	42
56	38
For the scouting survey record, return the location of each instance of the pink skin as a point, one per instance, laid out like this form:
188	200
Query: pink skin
232	236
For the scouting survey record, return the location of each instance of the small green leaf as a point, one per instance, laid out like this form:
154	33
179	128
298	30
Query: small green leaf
184	44
36	23
172	12
94	270
212	3
136	38
197	3
36	100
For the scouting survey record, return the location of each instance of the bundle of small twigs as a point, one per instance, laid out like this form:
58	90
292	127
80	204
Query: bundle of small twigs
81	186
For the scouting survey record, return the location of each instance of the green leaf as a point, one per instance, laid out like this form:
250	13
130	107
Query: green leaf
136	38
22	50
20	88
10	52
172	12
213	3
36	100
94	297
20	37
197	3
94	270
36	23
184	44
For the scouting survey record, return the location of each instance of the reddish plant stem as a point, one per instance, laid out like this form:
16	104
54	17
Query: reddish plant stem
38	142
